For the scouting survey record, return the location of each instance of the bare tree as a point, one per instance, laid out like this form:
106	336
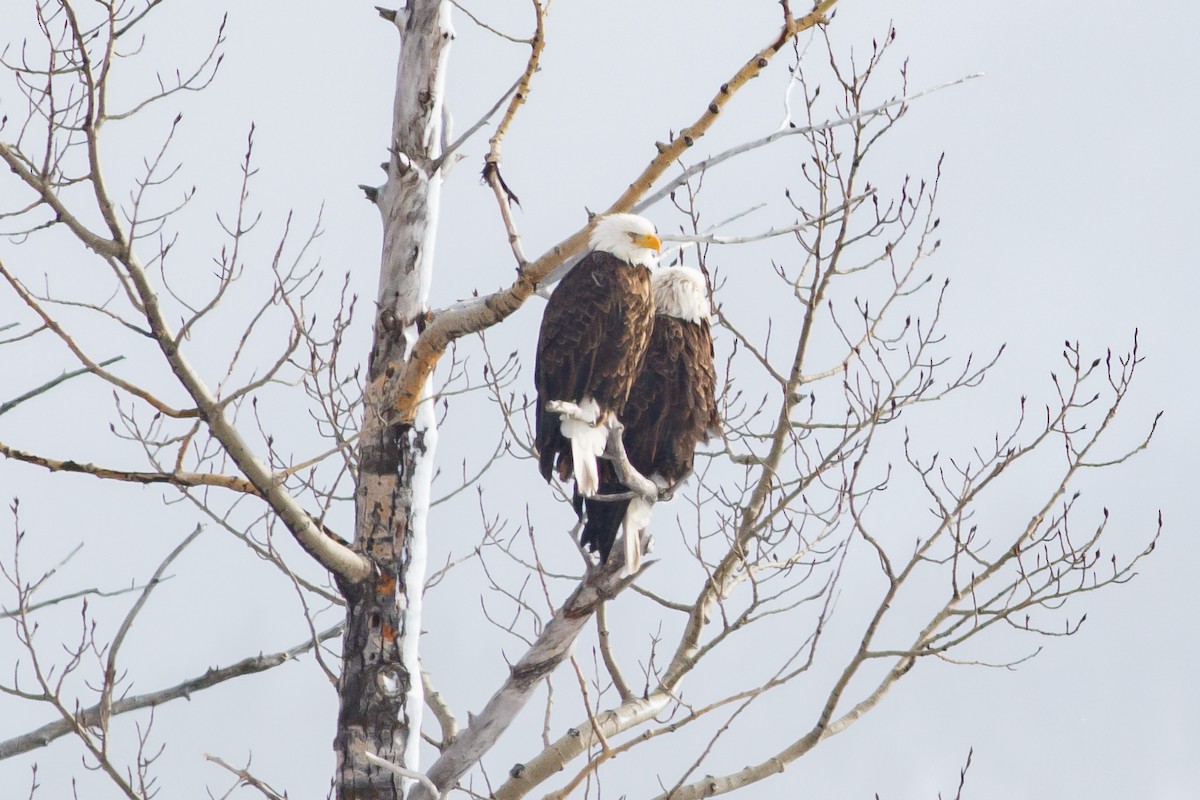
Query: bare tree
832	357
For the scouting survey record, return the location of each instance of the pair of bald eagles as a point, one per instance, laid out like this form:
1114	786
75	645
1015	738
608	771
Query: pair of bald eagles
621	336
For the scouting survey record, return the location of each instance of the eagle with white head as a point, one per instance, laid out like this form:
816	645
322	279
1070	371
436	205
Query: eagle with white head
672	407
594	334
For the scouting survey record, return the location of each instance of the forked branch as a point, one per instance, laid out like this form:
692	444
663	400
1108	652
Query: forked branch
476	315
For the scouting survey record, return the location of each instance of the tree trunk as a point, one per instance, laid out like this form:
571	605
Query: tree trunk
380	687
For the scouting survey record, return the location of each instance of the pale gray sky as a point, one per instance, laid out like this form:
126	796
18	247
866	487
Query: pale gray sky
1067	196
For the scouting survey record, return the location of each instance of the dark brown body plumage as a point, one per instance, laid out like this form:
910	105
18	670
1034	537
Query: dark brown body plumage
672	408
594	335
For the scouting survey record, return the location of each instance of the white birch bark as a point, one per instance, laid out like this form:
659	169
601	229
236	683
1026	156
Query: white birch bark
380	685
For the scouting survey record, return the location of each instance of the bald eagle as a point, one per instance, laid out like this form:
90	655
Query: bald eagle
672	407
594	334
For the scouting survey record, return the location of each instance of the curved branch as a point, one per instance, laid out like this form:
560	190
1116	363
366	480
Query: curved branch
330	553
90	365
484	312
92	240
708	163
549	650
176	478
50	384
211	677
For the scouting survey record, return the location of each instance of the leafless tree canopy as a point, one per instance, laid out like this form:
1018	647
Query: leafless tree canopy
835	538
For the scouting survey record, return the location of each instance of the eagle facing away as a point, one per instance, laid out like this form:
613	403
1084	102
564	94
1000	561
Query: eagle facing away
672	407
594	334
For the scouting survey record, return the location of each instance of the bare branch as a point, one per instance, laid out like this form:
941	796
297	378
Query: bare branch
551	648
178	478
487	27
476	315
245	777
701	167
453	147
48	385
211	677
411	774
441	711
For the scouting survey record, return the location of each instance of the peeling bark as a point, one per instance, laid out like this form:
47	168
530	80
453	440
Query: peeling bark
380	684
380	687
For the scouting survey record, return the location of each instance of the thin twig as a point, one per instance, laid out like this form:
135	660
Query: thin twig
412	774
247	778
754	144
211	677
110	667
48	385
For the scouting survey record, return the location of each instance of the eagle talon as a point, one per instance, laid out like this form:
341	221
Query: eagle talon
621	337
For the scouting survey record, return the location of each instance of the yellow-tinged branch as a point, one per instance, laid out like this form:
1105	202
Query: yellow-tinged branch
447	326
537	45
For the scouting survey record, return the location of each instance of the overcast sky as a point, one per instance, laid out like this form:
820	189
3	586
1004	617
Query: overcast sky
1067	207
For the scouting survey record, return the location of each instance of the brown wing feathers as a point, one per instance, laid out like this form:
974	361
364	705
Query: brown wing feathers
673	404
594	334
671	408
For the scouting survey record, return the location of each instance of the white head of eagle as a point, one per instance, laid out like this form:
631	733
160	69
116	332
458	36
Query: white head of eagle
681	292
629	237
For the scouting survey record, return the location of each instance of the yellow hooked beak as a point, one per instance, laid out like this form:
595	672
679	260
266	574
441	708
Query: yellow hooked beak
648	241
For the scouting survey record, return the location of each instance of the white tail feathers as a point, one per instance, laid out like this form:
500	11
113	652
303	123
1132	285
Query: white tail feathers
588	440
637	519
